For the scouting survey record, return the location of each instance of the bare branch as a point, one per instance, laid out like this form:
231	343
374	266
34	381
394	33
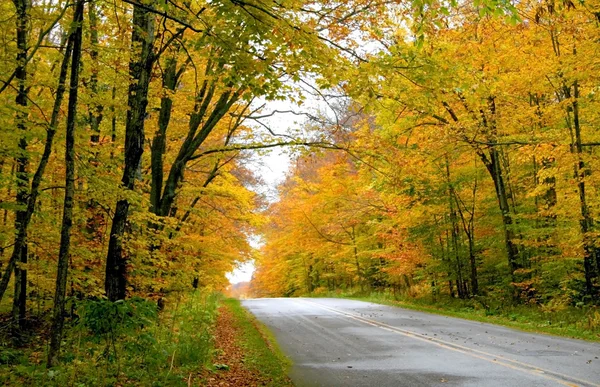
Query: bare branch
166	15
36	47
316	144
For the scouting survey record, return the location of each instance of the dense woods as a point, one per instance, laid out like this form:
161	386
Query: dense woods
455	156
470	168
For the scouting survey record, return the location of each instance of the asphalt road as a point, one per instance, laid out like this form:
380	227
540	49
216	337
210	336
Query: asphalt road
335	342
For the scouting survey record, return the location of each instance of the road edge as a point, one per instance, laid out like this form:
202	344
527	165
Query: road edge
503	322
261	350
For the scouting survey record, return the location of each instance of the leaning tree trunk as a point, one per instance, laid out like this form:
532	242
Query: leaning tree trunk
170	79
67	220
200	126
140	70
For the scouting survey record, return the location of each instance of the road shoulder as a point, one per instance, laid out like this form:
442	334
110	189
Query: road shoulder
245	352
532	322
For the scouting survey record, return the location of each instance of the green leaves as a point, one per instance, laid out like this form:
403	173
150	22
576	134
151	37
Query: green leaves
105	318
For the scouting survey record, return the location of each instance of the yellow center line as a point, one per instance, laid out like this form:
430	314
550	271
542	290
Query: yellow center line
489	357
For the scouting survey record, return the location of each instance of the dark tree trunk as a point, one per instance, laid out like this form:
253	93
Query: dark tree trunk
140	69
20	296
495	170
473	263
22	159
96	218
468	223
581	172
23	224
454	234
494	167
159	141
67	220
95	109
196	136
113	122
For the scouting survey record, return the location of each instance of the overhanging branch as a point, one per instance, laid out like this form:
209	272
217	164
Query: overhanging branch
315	144
165	14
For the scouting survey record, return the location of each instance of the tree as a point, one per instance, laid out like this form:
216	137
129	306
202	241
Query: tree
140	69
67	220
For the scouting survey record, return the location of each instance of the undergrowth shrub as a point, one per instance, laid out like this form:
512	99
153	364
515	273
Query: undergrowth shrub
124	343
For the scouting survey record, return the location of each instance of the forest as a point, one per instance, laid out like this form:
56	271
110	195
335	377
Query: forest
468	170
453	155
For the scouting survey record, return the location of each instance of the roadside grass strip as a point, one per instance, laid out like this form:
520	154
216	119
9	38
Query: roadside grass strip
261	352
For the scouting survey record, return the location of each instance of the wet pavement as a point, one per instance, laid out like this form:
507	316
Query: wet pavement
337	342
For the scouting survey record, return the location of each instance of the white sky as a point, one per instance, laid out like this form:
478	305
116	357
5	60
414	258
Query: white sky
273	166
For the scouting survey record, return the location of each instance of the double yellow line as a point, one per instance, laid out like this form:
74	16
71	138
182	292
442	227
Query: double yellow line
557	377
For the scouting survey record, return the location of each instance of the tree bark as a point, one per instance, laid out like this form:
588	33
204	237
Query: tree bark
494	167
140	70
67	219
581	172
21	237
495	170
22	228
462	293
96	219
95	109
158	149
196	136
20	296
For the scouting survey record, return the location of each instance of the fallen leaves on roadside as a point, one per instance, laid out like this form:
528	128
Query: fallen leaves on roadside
230	370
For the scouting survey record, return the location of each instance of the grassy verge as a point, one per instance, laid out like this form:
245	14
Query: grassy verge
580	323
261	352
122	343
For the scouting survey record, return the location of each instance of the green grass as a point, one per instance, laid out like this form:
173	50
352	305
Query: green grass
261	352
580	323
124	343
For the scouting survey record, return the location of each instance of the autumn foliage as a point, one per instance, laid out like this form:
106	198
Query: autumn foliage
455	153
469	166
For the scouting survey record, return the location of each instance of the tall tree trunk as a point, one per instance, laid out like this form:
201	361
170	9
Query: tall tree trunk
468	223
581	172
494	167
96	219
113	122
95	109
20	294
67	219
140	70
21	237
495	170
454	234
22	160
